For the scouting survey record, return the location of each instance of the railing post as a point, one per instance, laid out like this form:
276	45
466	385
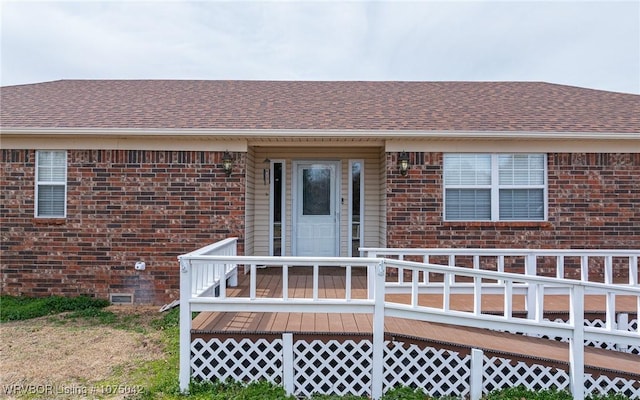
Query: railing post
477	365
288	364
584	268
633	270
377	364
531	269
576	342
185	325
622	324
371	276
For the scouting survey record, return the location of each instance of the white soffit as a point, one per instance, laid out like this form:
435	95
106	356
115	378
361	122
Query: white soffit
239	140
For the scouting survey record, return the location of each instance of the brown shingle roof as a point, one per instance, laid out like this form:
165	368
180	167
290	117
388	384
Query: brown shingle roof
299	105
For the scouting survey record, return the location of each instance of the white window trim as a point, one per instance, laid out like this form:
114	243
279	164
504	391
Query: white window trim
495	192
283	198
38	184
350	201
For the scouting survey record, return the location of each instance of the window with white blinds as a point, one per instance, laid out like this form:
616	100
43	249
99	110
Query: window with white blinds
51	184
495	187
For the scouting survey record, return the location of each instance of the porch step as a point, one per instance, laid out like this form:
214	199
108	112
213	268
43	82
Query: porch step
616	364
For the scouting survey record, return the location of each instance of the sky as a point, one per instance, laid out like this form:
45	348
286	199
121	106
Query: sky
593	44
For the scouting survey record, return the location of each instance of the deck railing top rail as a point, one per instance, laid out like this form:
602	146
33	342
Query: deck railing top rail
503	252
607	265
226	246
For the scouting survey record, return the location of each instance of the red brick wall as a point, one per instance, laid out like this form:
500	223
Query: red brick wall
122	207
594	202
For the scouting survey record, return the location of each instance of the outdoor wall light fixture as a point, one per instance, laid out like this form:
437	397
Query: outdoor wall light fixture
266	171
227	163
403	163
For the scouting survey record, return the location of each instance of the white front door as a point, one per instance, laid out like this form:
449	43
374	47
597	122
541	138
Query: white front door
317	210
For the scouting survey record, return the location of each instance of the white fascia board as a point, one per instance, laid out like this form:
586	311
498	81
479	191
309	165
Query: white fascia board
238	139
515	146
285	133
85	139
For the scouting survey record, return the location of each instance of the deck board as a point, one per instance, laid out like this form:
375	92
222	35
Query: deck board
321	322
280	322
332	285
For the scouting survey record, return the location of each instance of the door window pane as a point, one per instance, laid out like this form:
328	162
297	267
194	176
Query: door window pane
316	192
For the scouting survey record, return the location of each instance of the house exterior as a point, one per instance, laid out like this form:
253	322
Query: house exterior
100	176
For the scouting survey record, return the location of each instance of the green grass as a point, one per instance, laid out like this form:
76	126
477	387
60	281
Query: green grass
159	378
17	308
519	393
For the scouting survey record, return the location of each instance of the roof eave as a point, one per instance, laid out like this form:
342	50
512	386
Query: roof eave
311	133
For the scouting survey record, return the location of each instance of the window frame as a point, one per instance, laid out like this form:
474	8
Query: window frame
39	184
495	188
283	215
351	194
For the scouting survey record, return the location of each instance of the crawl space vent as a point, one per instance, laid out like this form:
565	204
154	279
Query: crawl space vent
121	298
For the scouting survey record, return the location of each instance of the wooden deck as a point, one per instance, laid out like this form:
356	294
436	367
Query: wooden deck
332	285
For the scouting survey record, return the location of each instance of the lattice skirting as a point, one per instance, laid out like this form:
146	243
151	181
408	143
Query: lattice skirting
344	367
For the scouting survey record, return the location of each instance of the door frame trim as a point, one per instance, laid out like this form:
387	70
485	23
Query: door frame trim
294	200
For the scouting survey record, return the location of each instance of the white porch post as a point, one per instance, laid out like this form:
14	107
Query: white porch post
288	364
371	277
185	325
377	373
622	324
531	269
576	342
477	361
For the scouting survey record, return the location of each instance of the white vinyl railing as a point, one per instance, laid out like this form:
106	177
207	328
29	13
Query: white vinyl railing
552	262
449	280
206	276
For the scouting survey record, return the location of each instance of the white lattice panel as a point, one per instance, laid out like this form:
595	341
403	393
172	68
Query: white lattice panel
633	327
603	385
333	367
438	372
243	360
501	373
344	367
598	323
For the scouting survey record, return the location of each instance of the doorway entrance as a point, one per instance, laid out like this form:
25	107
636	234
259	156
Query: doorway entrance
316	208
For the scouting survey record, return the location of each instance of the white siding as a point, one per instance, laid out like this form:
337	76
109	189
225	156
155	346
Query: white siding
382	200
249	213
374	192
